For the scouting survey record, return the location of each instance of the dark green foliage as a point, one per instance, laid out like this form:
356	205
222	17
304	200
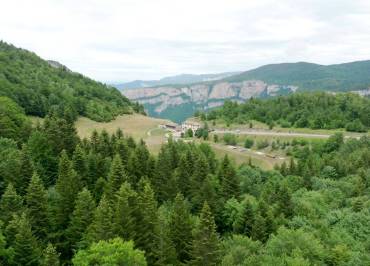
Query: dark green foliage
148	219
229	181
13	122
101	227
39	88
307	110
11	203
165	251
36	202
248	143
206	243
79	160
67	186
25	246
81	218
117	176
312	211
50	256
25	172
181	228
125	210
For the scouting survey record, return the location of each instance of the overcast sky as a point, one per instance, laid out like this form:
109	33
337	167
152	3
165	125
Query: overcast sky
124	40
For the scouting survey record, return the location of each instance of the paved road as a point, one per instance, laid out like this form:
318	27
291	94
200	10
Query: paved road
274	133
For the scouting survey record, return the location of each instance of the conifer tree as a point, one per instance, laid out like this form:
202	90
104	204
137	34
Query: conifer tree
165	252
81	218
67	186
285	204
11	203
25	246
101	227
164	173
245	222
138	163
79	160
206	243
181	228
201	172
124	212
99	188
230	186
146	234
117	176
259	230
36	201
6	254
104	144
183	175
25	171
50	256
123	150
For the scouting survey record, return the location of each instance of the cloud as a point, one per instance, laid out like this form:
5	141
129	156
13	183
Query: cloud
142	39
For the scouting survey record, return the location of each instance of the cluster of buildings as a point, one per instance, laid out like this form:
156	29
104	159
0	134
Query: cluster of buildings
185	126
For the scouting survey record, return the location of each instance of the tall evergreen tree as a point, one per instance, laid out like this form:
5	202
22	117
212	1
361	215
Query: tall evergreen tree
230	186
124	212
102	227
206	244
81	218
25	246
50	256
146	234
36	201
67	186
25	171
117	176
123	150
285	203
138	164
259	228
10	203
165	252
200	173
79	160
181	228
164	173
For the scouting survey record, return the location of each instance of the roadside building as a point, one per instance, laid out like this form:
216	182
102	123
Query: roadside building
190	125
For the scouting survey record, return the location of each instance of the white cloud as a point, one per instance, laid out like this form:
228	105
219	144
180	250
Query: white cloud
144	39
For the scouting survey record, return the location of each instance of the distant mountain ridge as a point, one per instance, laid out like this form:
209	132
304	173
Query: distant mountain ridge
178	79
179	101
309	76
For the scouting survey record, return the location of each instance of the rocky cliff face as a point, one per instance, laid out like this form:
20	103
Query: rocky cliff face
158	100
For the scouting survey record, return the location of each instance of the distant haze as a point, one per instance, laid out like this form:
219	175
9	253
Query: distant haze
117	41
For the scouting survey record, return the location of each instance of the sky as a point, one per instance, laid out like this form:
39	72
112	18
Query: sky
115	41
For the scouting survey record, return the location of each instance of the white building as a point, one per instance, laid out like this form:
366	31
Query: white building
190	125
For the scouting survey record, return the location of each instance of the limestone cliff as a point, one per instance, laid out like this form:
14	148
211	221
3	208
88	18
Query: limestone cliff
201	96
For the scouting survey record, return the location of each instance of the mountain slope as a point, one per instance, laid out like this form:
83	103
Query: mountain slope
178	79
179	101
308	76
40	86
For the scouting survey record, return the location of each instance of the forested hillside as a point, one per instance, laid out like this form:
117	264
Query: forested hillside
39	87
303	110
308	76
107	201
